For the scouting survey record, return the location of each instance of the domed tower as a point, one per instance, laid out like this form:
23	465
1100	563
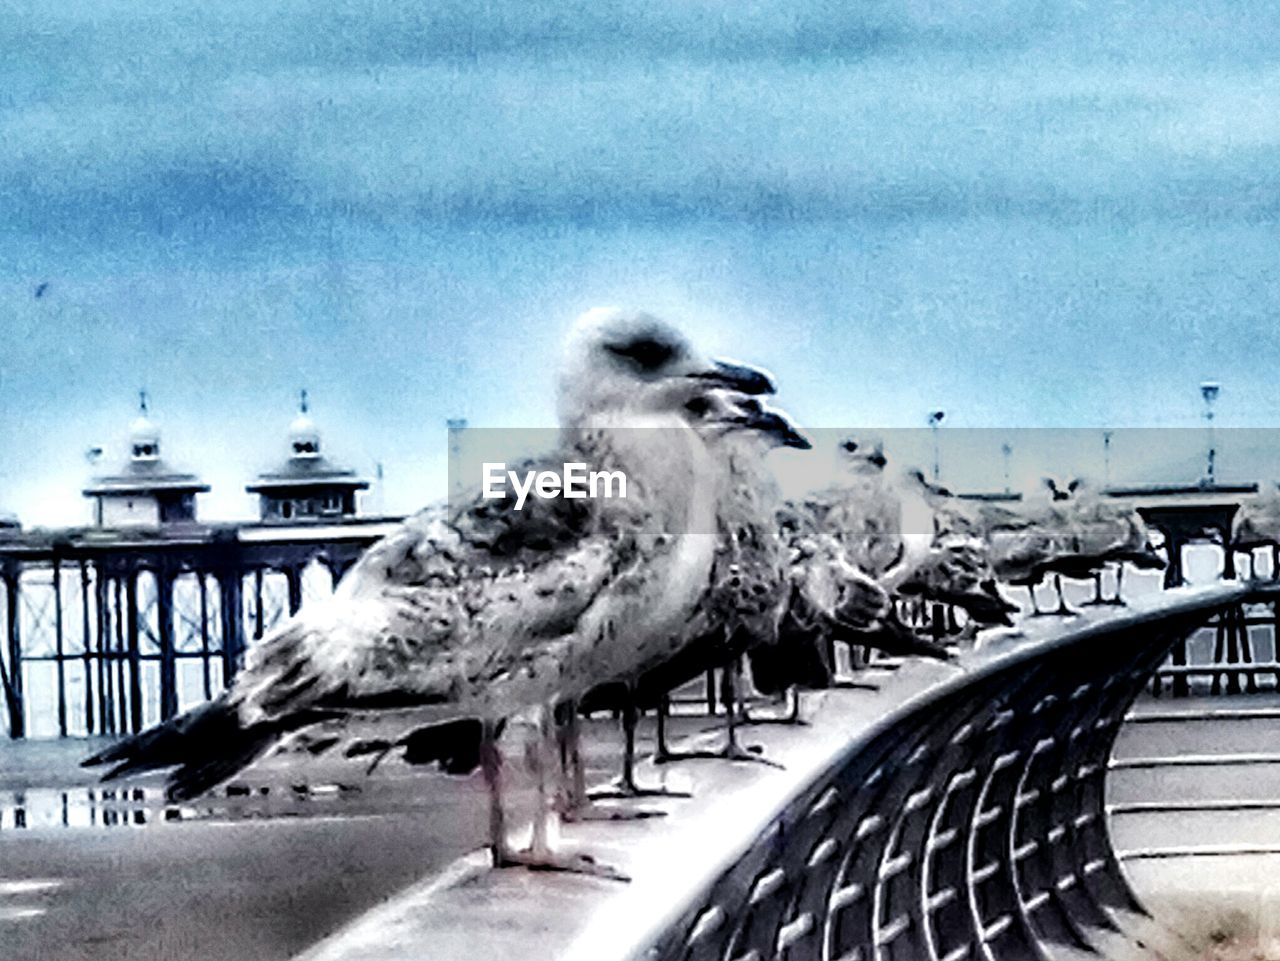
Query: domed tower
307	486
146	491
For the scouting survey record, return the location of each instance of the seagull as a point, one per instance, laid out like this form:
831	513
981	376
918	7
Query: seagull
476	610
862	511
945	557
830	600
1112	532
956	571
1023	543
740	612
746	591
1074	533
1019	556
1257	524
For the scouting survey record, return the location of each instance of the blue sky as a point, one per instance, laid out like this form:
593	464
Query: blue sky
1026	213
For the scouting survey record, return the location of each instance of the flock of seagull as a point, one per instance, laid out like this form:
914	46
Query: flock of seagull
472	613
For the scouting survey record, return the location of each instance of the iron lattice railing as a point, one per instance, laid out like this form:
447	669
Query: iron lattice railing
969	824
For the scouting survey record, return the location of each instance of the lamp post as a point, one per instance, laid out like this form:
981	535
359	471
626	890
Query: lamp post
456	426
1209	390
935	421
1106	458
1007	450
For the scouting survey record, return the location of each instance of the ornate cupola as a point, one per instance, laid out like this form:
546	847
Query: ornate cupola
304	436
146	491
307	486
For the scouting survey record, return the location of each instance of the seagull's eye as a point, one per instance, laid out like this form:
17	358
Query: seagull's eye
850	445
698	406
648	354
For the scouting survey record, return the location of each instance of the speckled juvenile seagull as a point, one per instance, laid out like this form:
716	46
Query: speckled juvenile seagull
746	591
1257	524
482	611
1101	532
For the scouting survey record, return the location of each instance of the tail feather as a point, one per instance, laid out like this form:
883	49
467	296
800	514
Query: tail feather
892	637
206	745
986	607
166	744
797	659
454	744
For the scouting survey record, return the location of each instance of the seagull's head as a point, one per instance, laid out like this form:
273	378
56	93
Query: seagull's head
917	481
1060	491
619	363
863	455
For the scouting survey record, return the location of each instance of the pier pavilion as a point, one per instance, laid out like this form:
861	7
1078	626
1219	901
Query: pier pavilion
307	486
146	491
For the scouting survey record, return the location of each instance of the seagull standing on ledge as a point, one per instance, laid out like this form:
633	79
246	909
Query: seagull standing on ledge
945	558
1102	532
1257	524
482	611
744	596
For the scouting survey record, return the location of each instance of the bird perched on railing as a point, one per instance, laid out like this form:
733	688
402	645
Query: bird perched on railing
1023	544
852	531
740	611
746	591
1095	533
1257	524
482	611
830	600
946	558
1113	533
749	591
862	511
1020	555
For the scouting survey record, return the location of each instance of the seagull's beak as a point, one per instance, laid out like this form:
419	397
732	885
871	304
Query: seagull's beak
776	426
737	377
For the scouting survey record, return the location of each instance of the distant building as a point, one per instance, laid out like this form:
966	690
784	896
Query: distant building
147	491
308	486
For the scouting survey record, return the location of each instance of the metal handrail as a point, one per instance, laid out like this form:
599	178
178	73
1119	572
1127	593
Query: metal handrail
968	822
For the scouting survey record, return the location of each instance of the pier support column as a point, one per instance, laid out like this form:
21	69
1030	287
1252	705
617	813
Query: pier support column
168	660
86	650
293	575
13	643
232	623
133	649
59	646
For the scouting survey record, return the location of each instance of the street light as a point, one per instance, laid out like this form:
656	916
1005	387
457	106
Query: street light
456	426
935	421
1007	450
1209	390
1106	458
